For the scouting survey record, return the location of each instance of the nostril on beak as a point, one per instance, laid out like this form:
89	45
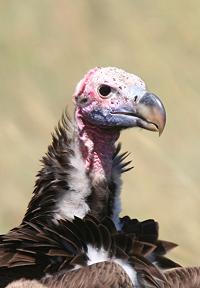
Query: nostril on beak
135	99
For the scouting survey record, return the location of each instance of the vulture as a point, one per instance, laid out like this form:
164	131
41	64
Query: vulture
82	169
71	234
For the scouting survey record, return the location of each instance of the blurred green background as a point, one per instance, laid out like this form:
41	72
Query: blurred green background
46	47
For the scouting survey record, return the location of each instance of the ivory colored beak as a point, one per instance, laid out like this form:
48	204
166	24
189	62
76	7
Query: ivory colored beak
151	109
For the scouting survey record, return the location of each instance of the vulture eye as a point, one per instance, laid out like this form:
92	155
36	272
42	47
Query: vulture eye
104	90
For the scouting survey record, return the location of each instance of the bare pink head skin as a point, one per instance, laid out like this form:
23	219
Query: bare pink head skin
108	100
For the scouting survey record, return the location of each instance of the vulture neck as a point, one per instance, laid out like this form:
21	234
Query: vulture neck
97	146
79	174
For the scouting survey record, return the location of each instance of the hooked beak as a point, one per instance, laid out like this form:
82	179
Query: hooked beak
146	112
151	113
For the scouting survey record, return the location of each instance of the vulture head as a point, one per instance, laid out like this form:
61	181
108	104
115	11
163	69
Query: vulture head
110	98
82	168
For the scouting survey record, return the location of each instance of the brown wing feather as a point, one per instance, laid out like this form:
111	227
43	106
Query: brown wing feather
51	250
183	277
100	275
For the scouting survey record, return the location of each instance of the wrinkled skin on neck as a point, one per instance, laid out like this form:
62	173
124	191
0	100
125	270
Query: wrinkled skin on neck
97	146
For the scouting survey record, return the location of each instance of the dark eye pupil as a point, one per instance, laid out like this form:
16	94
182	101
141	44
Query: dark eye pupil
104	90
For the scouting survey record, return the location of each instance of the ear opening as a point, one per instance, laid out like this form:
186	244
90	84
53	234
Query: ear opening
80	87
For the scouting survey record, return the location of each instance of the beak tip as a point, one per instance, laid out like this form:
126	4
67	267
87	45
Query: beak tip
162	121
152	109
161	127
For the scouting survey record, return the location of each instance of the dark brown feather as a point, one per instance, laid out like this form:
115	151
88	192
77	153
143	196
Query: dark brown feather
54	252
147	231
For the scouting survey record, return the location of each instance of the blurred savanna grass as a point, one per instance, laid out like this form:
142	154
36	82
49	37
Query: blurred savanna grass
46	47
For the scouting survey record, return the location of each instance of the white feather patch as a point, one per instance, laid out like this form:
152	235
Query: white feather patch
129	271
96	255
73	203
100	255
